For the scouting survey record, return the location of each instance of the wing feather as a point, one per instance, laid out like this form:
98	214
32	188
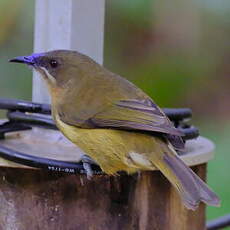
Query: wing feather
135	114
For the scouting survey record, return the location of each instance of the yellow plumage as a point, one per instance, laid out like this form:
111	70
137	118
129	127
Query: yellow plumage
115	147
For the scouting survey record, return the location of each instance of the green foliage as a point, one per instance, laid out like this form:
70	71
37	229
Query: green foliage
166	79
218	168
15	80
136	11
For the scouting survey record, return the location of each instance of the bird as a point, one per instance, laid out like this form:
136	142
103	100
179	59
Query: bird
116	124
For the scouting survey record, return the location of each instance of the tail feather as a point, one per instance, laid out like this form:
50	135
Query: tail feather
207	195
190	187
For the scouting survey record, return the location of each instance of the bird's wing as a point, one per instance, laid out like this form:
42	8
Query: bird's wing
134	114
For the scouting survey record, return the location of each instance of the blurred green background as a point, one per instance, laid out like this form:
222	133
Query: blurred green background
177	51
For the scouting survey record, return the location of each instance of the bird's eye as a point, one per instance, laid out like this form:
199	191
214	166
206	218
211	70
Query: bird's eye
53	63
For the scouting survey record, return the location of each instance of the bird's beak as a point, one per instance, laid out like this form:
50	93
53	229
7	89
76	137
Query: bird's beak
29	60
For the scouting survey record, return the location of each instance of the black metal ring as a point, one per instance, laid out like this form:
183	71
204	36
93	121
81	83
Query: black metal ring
8	127
32	120
218	223
45	163
27	106
24	106
24	115
47	122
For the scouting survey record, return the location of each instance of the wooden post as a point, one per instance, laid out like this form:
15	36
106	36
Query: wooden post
37	199
53	201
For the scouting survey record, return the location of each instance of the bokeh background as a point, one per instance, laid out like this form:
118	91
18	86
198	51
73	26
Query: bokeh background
177	51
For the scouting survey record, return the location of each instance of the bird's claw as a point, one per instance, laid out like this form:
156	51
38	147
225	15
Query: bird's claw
87	162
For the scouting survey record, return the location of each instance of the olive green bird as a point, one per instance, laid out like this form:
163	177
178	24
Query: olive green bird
114	122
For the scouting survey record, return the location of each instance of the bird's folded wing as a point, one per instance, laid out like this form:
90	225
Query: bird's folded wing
135	114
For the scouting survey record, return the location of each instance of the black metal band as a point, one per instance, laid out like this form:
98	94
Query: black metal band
31	107
24	115
219	223
24	106
19	109
45	163
190	132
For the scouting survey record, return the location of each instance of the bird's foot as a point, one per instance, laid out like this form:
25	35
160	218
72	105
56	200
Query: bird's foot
87	165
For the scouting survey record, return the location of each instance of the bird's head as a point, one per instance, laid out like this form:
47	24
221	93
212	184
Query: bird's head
59	67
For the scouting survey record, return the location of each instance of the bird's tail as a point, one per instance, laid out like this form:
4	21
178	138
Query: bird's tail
190	187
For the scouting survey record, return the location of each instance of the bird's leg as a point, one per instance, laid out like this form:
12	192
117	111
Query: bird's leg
87	162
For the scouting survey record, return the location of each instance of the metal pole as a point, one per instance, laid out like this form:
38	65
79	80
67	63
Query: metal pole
70	24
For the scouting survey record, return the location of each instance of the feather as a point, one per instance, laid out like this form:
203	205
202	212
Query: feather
190	187
135	114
